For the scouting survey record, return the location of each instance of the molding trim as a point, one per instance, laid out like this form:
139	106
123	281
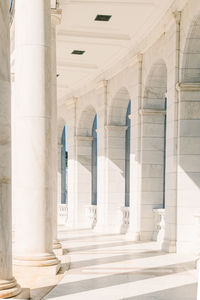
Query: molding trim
188	86
151	112
83	138
116	127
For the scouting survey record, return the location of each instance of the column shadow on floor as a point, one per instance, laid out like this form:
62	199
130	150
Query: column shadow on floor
120	278
113	259
94	247
183	292
97	236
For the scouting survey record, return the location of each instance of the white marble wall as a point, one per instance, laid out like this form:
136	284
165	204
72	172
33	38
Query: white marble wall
167	43
84	179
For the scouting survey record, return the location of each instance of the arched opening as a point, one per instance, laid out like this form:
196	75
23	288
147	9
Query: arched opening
127	156
64	159
94	162
153	143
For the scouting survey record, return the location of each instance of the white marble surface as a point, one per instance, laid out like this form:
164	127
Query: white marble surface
8	285
109	208
108	267
32	138
55	20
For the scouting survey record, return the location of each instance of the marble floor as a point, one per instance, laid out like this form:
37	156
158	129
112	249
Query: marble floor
110	268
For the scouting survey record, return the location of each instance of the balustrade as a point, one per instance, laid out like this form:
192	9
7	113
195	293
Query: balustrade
125	219
159	231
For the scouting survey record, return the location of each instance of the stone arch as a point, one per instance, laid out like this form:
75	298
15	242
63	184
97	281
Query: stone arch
118	107
117	160
190	65
85	169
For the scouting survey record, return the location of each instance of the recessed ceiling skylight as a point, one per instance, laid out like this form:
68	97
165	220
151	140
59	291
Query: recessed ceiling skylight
103	18
78	52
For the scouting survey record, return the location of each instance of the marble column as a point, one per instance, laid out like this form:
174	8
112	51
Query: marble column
8	284
32	165
55	20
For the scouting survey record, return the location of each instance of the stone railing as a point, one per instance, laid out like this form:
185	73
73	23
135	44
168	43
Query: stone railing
125	219
159	231
62	214
91	213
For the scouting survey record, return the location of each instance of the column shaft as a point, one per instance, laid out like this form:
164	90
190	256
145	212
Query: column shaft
33	134
8	285
55	19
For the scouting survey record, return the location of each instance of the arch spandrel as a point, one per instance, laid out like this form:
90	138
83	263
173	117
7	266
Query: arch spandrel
85	121
156	86
190	63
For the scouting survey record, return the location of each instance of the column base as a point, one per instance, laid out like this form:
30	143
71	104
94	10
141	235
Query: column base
132	236
47	263
169	246
57	248
56	244
24	295
45	271
9	288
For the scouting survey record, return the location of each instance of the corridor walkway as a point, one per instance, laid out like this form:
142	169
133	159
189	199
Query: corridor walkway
109	268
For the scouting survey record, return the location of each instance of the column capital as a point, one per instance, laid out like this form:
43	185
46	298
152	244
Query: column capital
177	16
188	86
71	101
139	57
101	84
56	16
136	60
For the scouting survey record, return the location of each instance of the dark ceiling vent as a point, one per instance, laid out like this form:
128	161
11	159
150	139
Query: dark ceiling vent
103	18
78	52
